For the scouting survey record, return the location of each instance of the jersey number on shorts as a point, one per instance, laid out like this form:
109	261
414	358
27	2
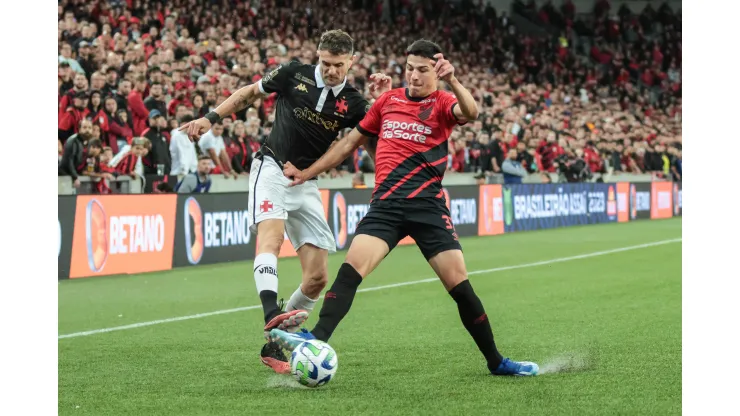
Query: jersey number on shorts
449	225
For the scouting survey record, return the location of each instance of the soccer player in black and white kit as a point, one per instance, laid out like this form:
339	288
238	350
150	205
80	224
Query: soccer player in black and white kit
314	104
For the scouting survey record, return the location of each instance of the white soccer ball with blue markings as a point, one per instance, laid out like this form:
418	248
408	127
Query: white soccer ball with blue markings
313	363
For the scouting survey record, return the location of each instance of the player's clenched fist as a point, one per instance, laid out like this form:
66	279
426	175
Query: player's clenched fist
292	172
444	69
380	84
195	128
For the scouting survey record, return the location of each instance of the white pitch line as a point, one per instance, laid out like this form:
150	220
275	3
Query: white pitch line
370	289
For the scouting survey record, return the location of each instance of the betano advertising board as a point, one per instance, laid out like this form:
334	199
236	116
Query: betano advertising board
124	234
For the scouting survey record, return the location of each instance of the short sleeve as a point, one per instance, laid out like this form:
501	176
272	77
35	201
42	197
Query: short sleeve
206	142
370	125
448	103
275	80
359	112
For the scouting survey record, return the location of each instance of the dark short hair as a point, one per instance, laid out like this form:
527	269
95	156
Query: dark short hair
187	118
425	48
156	83
140	78
203	157
95	143
337	42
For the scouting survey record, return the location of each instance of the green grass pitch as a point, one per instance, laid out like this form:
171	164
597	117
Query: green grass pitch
605	329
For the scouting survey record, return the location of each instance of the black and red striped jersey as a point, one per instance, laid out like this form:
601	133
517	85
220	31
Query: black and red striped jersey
411	155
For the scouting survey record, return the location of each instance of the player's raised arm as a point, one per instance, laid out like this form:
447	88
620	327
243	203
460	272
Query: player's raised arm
236	102
336	155
467	109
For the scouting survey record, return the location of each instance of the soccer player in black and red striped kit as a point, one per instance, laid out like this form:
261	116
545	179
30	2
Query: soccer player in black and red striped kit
412	125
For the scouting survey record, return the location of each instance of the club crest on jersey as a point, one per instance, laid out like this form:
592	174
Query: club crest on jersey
341	106
266	206
425	112
301	87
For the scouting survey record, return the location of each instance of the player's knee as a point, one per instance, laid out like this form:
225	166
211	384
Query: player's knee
450	267
359	263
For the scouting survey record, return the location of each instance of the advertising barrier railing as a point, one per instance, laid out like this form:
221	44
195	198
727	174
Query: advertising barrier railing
125	234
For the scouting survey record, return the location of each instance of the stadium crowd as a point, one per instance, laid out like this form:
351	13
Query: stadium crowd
584	92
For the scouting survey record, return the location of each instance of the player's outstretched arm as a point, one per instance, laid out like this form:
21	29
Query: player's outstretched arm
236	102
336	155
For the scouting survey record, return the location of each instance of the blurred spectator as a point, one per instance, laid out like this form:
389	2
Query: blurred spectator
131	159
198	182
137	108
159	161
78	87
74	150
69	122
155	101
212	145
182	151
65	56
92	168
238	148
677	165
525	157
513	169
116	132
358	181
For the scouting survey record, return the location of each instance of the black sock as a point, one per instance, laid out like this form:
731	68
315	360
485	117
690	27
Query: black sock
269	304
337	301
475	320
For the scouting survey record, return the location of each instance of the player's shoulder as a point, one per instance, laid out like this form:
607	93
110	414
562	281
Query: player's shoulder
292	65
396	94
352	93
443	95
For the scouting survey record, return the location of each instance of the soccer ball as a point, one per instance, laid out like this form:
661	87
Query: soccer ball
313	363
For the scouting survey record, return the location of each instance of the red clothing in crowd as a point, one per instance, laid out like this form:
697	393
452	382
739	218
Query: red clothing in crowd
548	152
139	113
593	159
458	160
71	118
112	131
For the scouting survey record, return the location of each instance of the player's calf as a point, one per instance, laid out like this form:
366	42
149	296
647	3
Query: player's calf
315	278
365	253
270	240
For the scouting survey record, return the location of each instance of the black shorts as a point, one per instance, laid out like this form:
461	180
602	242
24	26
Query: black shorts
426	220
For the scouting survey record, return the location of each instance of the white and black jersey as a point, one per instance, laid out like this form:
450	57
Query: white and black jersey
309	113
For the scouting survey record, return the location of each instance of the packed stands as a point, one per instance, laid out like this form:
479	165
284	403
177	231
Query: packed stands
572	92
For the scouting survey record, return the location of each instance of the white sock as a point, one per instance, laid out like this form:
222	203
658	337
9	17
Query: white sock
300	301
265	272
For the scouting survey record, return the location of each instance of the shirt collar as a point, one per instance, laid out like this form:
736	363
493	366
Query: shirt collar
320	82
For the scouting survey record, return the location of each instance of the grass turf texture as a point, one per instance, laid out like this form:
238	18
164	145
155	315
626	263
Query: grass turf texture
608	329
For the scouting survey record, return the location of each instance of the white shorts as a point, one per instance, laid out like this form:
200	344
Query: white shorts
300	206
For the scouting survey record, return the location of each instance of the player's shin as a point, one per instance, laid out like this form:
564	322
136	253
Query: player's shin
475	320
337	301
265	277
299	301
